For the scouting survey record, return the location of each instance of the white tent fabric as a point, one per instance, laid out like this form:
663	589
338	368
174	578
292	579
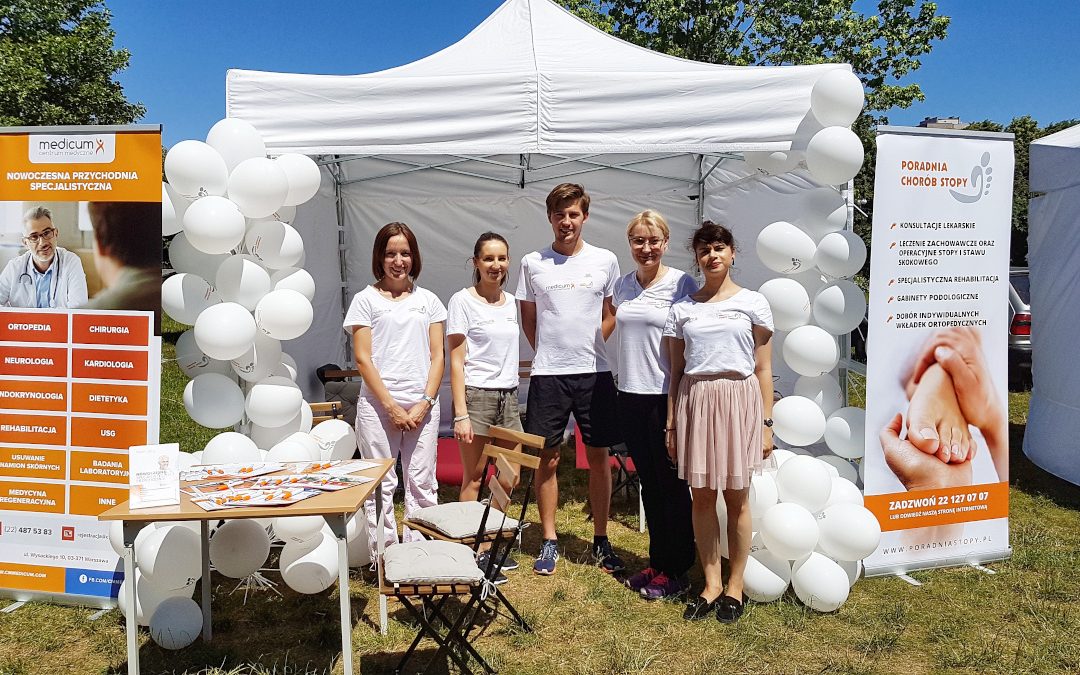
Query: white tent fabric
531	78
1053	248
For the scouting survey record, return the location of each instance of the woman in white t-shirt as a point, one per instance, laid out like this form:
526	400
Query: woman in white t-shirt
397	330
642	300
719	425
482	332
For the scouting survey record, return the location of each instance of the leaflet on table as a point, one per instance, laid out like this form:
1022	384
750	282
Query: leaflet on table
315	481
333	467
225	471
229	499
153	475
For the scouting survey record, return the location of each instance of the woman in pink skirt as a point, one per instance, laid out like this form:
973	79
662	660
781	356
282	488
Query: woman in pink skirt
719	407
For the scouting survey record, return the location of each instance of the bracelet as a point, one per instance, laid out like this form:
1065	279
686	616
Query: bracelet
461	418
669	429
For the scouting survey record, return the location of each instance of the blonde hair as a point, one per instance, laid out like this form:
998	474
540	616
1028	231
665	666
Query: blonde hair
651	219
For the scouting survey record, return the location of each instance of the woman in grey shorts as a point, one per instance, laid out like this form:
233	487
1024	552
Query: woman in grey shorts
482	331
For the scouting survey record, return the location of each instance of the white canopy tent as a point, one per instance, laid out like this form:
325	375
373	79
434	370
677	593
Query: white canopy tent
1053	248
473	137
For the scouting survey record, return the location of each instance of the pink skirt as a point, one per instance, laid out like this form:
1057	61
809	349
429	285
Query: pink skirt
718	423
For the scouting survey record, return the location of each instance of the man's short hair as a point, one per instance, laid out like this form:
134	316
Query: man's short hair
128	232
36	213
567	192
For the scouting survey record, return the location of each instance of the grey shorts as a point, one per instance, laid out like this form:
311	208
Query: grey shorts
492	407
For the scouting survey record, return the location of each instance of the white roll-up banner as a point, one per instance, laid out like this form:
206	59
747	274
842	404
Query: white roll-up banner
937	442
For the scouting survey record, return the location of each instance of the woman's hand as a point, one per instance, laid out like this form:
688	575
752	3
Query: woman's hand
417	413
766	443
399	417
672	447
463	431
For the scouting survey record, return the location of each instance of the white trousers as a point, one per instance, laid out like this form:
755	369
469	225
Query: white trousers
379	438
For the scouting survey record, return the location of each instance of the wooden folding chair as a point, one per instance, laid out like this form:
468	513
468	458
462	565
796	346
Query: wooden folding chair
326	410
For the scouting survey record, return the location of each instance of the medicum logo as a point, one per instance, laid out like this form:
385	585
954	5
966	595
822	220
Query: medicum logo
72	148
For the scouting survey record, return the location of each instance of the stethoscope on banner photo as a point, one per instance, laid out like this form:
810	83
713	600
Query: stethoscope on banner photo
25	277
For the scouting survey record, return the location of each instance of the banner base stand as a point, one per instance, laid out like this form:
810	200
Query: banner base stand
12	607
985	570
974	560
100	613
910	579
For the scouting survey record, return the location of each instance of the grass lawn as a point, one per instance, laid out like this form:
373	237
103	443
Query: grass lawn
1023	619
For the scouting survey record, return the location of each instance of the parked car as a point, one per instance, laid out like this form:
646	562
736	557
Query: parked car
1019	329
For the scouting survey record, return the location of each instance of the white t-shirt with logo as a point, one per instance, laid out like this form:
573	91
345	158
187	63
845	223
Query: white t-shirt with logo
400	345
644	366
491	339
719	335
569	293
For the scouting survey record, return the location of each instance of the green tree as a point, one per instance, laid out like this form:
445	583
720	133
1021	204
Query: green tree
882	48
57	63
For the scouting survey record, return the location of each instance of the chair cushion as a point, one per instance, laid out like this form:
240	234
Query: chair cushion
430	562
461	519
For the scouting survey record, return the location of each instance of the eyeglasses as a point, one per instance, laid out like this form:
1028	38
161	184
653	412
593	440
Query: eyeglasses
639	242
47	234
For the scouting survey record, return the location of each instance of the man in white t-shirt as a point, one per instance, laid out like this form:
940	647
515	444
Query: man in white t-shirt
564	292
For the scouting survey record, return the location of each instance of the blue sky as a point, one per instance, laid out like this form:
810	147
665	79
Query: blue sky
1002	58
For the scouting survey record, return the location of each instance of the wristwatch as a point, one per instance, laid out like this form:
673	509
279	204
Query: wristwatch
430	400
768	422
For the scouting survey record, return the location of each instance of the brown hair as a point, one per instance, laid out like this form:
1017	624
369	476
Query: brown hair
479	246
567	192
710	233
650	219
128	232
378	251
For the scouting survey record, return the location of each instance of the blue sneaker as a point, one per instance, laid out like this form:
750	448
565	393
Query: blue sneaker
604	556
549	555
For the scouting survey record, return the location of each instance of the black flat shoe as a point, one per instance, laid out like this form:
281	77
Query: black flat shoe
698	608
728	609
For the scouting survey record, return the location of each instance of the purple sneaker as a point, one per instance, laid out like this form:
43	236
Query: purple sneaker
641	579
663	587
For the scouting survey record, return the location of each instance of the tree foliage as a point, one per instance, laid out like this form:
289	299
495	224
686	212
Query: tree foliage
882	48
57	63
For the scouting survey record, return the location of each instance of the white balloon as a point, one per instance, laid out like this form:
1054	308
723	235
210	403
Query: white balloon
844	469
359	550
721	518
862	472
184	296
811	280
840	254
839	308
773	162
214	225
284	314
235	140
274	244
239	548
824	390
214	400
789	531
823	210
809	350
191	360
148	595
807	129
804	481
767	575
848	532
294	278
176	623
310	566
844	491
170	556
853	569
268	437
834	155
335	438
286	214
196	170
258	186
780	455
297	528
228	447
833	471
845	432
272	400
820	583
225	331
798	421
837	98
291	451
789	302
284	370
242	280
303	177
186	258
259	361
763	495
784	248
173	206
310	444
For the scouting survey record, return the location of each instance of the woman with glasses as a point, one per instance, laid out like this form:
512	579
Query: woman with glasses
642	299
46	275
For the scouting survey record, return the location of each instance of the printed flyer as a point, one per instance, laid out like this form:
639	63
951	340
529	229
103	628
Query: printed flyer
937	446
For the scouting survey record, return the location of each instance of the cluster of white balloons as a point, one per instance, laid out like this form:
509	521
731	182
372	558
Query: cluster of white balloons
811	531
832	151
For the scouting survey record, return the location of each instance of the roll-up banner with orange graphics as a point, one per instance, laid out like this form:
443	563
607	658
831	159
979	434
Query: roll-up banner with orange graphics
937	442
79	358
